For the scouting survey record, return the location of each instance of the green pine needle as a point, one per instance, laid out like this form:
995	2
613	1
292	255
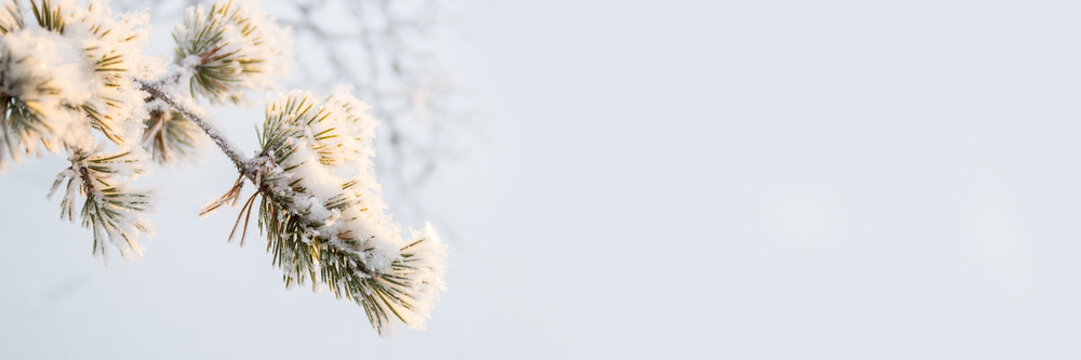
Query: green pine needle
48	15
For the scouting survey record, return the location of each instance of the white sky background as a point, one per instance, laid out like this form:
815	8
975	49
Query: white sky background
753	179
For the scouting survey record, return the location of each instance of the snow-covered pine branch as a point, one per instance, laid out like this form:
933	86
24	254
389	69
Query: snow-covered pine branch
73	78
111	210
325	216
66	84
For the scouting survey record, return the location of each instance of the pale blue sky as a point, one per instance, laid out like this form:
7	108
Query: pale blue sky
730	179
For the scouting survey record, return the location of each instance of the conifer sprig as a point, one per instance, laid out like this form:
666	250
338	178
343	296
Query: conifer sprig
66	72
331	230
231	48
113	211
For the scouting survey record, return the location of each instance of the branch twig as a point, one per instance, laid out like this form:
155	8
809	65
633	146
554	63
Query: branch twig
242	163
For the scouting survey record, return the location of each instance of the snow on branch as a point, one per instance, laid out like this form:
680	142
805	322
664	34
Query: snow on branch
73	78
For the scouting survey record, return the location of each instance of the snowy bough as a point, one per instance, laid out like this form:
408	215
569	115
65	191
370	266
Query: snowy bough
74	80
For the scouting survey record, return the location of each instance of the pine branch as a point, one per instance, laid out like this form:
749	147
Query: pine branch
246	167
321	206
320	240
111	209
